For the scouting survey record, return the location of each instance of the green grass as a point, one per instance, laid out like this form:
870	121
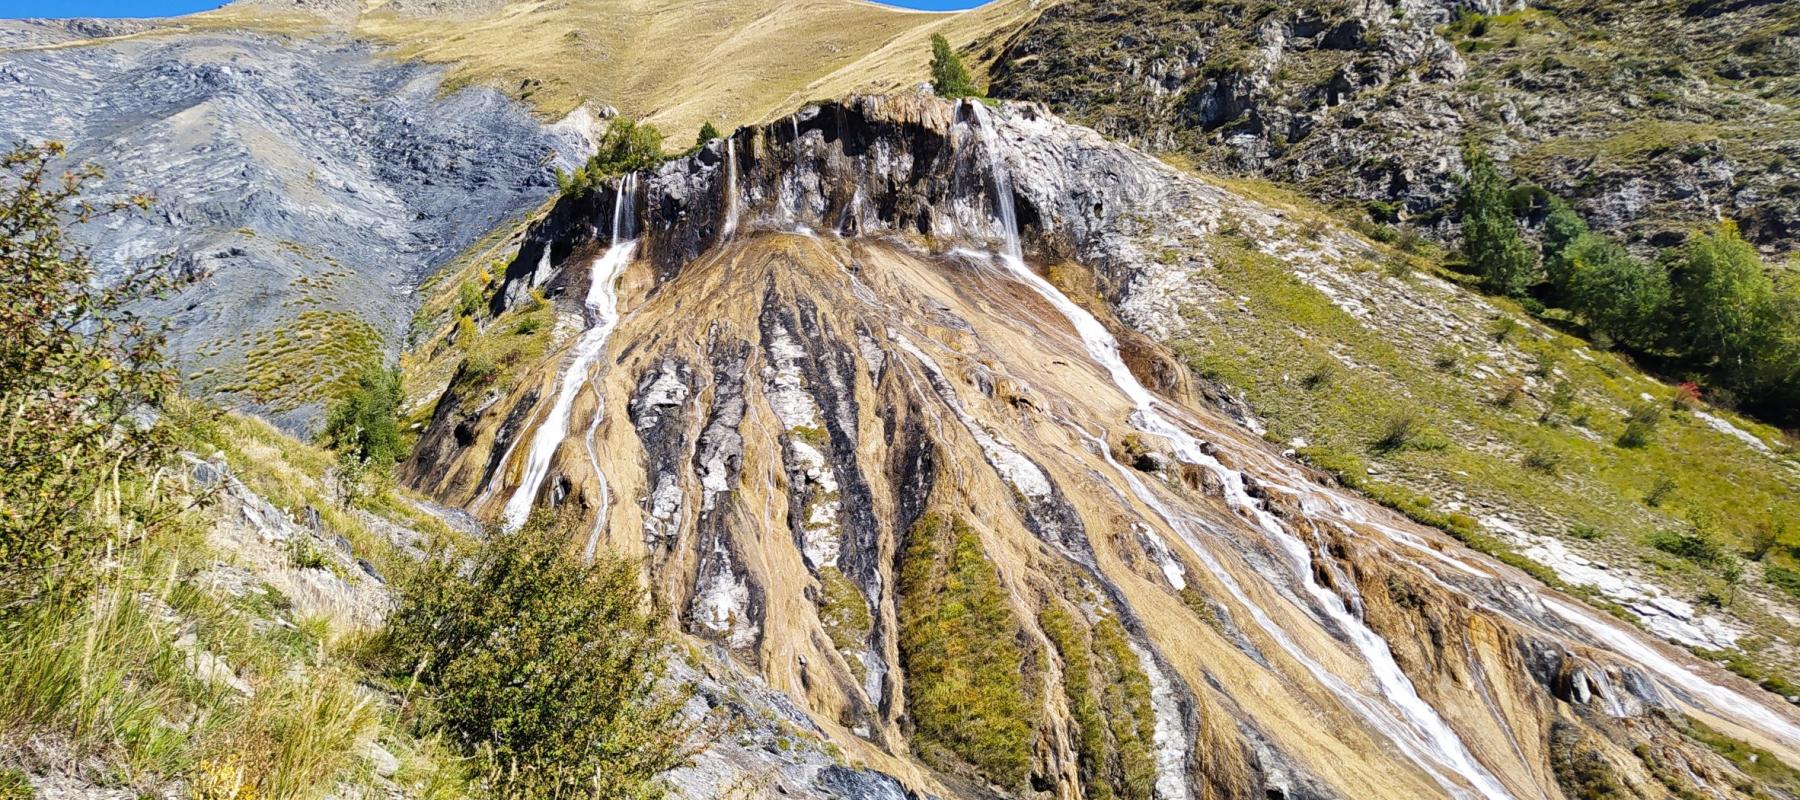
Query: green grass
313	356
1109	702
845	615
965	670
114	674
1443	430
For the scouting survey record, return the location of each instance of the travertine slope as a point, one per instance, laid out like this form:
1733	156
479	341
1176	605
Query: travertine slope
852	385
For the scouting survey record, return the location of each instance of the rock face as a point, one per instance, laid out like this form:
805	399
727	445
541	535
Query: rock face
304	186
866	450
1652	118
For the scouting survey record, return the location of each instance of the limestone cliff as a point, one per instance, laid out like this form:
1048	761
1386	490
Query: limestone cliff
876	392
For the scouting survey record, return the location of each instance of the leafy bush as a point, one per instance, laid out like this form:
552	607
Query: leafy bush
81	378
1691	545
949	78
364	427
1640	425
1491	241
548	669
959	648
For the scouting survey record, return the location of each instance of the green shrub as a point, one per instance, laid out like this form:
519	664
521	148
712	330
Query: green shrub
1623	299
627	146
1691	545
364	428
1640	425
959	648
80	379
1562	227
547	668
949	78
468	299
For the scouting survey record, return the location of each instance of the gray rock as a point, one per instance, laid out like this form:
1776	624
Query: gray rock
293	177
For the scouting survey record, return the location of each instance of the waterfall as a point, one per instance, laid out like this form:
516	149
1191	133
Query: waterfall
730	188
1405	717
602	312
1003	193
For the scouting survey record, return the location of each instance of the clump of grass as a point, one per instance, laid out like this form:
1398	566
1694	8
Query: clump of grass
1640	426
1543	461
1320	376
1512	391
1109	699
1405	431
1783	578
1693	546
845	615
959	648
1660	490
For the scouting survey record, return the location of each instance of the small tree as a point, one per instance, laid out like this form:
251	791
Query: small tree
1562	228
364	427
1622	298
707	133
1726	301
627	146
81	382
949	78
1491	238
548	669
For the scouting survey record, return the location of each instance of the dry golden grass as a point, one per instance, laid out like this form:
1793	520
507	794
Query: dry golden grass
676	63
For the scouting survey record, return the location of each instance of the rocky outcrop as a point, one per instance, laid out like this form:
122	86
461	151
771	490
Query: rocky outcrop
303	187
847	425
1374	101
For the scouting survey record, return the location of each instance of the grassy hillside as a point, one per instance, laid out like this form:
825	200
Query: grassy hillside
223	657
679	63
1465	413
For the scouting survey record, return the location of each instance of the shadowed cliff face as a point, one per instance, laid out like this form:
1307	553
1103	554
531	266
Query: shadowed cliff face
875	394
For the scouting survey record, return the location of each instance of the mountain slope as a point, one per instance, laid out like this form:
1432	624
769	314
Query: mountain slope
864	446
676	64
303	187
1650	116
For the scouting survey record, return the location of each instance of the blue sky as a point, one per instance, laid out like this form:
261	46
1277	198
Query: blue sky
166	8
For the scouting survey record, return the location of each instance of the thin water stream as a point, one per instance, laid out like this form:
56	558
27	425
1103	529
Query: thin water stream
602	315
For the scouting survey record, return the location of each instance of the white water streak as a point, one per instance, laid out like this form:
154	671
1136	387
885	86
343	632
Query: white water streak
1406	718
730	189
602	306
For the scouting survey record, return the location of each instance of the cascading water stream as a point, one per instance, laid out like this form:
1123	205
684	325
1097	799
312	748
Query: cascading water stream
602	311
1405	717
730	189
